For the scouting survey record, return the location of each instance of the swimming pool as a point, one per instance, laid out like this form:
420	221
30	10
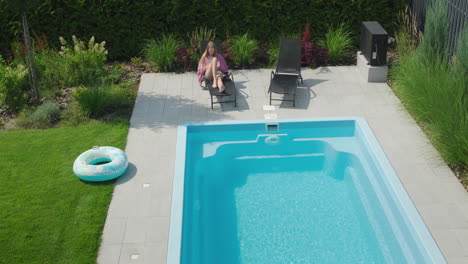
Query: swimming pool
291	191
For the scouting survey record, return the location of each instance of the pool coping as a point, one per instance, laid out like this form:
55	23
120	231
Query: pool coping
420	228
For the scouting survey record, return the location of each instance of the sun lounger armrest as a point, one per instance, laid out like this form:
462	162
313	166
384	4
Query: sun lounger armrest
228	76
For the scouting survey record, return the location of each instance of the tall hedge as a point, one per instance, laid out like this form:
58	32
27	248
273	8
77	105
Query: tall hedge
124	24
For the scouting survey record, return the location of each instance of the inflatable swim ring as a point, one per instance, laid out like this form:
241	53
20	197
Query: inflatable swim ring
100	164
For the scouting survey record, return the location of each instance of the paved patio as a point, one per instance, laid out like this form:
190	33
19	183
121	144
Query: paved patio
137	225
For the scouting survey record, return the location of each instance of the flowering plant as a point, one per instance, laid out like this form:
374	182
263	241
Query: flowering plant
81	62
313	55
185	57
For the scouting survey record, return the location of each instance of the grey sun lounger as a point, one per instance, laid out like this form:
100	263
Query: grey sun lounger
229	95
285	79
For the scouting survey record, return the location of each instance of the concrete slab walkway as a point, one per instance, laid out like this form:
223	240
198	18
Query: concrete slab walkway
137	225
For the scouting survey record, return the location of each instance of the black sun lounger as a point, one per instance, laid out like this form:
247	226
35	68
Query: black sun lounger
289	59
285	85
288	71
230	91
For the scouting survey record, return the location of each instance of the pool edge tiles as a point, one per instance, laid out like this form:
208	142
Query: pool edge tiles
175	227
360	126
400	194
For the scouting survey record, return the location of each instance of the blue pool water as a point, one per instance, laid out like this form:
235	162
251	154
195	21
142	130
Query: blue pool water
310	192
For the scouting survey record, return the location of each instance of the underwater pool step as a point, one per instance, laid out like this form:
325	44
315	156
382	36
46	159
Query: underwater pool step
281	156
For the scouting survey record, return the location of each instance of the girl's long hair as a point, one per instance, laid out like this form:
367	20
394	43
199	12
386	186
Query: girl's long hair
209	45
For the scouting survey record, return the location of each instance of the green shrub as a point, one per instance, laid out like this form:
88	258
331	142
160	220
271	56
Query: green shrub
49	70
73	115
162	53
13	86
45	115
338	40
112	74
407	36
96	101
196	37
137	62
435	91
436	29
461	56
24	118
436	98
243	49
84	62
121	95
273	54
77	64
405	44
201	33
92	101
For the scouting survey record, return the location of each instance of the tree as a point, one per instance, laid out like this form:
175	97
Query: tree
21	7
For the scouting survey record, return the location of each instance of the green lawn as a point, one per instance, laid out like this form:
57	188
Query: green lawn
48	215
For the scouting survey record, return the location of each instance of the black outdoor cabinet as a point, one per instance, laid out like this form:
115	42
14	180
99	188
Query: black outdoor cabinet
373	44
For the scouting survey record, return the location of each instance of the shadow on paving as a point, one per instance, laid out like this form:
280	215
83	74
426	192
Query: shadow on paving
242	104
128	175
324	70
162	111
304	94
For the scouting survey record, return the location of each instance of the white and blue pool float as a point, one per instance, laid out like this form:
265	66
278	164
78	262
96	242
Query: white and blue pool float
100	164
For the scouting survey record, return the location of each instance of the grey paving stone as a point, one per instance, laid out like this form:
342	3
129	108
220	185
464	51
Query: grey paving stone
418	174
463	207
136	229
441	170
443	216
146	83
457	260
154	253
158	231
450	192
132	253
114	230
109	254
448	243
161	203
419	195
462	237
135	204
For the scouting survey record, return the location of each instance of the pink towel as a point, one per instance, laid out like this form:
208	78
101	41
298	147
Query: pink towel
222	67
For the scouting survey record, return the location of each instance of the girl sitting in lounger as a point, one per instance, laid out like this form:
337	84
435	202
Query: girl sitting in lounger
212	65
